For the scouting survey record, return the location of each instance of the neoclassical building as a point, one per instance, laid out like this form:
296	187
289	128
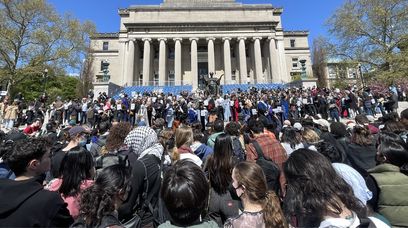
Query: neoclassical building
180	41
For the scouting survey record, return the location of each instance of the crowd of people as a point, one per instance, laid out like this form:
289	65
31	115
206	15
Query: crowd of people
260	158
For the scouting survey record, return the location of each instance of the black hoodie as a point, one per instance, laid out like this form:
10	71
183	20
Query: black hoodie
27	204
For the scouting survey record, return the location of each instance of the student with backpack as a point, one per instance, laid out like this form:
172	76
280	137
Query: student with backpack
146	159
115	151
270	148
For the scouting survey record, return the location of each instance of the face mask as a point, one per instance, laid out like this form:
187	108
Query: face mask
82	142
233	192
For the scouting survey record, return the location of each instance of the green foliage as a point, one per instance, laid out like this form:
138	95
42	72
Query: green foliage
341	84
32	87
374	33
33	36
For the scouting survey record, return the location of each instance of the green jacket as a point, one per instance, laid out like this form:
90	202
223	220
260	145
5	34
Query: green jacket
393	193
209	224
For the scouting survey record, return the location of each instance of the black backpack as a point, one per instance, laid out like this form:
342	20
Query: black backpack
270	169
237	149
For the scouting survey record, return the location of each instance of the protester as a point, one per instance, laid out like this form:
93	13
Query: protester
25	203
115	151
261	207
183	140
78	139
318	197
361	149
145	159
219	168
76	173
100	202
392	180
185	194
32	129
271	148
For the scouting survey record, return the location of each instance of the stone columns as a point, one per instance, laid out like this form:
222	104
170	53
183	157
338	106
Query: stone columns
227	60
194	63
130	66
122	53
146	61
177	61
284	77
274	60
242	60
258	59
162	61
211	57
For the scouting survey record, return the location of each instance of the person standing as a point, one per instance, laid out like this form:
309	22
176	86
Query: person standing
10	115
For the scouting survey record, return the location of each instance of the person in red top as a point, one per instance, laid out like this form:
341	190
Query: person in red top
32	129
271	148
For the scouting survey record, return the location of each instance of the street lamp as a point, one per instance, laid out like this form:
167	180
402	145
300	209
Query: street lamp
45	78
303	64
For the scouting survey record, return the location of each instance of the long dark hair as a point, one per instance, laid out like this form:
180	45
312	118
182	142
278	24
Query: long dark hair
220	164
314	189
395	153
99	199
76	166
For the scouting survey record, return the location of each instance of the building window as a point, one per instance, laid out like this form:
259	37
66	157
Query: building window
232	53
295	63
292	43
352	73
332	72
105	46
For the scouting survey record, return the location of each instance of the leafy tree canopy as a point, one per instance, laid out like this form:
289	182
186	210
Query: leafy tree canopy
34	37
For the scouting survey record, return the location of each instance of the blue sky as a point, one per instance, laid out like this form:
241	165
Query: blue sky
297	14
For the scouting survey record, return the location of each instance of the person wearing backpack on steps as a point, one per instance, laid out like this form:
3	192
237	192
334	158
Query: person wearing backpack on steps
271	148
145	158
115	151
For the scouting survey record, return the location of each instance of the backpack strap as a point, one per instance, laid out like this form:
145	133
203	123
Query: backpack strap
147	199
258	149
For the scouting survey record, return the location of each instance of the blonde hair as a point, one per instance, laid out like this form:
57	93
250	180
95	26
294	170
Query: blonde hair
183	136
310	136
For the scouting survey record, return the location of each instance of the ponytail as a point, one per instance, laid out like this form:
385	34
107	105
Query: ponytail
272	212
175	155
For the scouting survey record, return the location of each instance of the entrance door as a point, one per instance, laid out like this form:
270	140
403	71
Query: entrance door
202	72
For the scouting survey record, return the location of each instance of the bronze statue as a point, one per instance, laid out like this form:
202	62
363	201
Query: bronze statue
212	85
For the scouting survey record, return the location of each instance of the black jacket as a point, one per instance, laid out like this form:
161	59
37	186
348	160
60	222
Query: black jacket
138	187
27	204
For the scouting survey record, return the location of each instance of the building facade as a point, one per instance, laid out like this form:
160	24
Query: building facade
180	41
342	73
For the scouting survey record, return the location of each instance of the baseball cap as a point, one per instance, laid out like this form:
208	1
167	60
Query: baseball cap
76	130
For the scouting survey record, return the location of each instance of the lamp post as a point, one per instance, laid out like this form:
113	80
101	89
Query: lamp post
361	74
303	64
45	74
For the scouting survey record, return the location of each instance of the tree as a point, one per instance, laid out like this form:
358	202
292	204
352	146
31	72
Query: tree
86	76
371	32
319	58
33	37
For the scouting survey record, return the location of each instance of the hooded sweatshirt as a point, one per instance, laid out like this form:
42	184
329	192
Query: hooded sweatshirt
26	204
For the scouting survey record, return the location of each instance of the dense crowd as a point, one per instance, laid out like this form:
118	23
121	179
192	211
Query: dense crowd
291	157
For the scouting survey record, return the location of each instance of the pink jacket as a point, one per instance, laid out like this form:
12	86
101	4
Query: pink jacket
72	201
